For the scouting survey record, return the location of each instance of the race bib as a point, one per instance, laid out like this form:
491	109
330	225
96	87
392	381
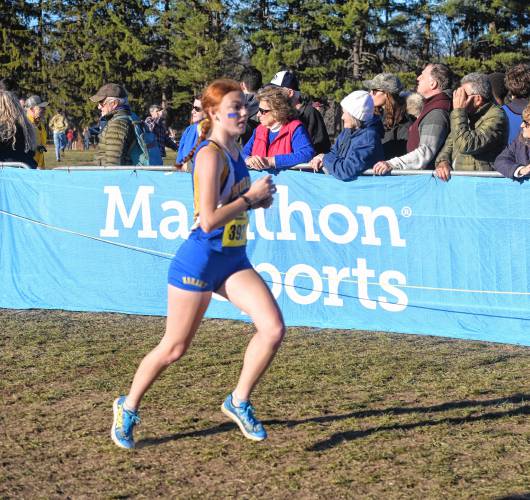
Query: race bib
235	232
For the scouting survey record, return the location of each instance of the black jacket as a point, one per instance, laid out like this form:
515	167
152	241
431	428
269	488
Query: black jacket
314	123
395	139
253	120
7	153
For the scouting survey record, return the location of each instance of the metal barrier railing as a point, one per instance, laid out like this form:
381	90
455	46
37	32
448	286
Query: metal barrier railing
459	173
157	168
16	164
302	167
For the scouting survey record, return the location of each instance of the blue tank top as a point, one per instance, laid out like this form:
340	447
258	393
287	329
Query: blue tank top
235	181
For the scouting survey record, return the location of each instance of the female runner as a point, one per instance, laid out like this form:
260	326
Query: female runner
214	259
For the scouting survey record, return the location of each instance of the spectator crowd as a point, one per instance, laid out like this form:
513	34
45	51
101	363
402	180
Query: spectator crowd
480	124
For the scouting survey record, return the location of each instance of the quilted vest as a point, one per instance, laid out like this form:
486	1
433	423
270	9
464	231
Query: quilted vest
439	101
280	145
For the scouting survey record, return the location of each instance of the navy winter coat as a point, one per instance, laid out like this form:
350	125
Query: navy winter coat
355	150
515	155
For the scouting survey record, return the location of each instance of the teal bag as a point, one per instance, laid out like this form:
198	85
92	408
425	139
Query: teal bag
144	150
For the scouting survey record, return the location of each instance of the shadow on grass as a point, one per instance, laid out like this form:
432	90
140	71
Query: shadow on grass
218	429
341	437
405	410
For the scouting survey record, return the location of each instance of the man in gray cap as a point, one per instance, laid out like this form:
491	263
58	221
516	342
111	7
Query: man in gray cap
35	112
116	128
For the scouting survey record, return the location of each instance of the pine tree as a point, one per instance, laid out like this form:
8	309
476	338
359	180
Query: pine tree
200	43
199	46
21	44
484	28
165	51
332	45
161	76
93	42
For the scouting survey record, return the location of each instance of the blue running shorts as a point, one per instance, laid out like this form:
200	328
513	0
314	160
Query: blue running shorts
198	268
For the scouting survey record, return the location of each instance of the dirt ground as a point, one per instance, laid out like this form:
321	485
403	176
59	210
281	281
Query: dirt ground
349	414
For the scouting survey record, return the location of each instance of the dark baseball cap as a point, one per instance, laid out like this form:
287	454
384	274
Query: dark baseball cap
109	90
286	79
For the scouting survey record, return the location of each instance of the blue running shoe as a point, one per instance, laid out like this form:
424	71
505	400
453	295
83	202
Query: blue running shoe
124	422
244	417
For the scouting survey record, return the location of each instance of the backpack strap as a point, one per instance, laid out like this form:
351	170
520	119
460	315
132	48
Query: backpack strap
135	123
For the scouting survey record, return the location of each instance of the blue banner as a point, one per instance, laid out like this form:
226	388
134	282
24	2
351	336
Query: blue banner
403	254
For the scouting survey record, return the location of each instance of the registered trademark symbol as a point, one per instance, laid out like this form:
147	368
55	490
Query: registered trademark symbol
406	211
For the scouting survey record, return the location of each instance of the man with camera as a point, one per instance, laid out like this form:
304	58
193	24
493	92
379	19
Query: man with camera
479	129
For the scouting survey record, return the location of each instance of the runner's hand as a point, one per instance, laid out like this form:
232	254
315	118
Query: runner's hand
266	203
261	189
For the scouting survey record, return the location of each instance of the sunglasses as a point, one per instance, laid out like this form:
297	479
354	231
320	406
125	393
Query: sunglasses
196	108
264	111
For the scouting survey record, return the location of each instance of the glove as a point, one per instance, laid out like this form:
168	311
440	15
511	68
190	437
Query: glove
41	149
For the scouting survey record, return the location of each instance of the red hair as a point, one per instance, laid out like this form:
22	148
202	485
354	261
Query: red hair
214	93
211	98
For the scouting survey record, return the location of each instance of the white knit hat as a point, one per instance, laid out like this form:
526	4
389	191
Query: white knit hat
359	104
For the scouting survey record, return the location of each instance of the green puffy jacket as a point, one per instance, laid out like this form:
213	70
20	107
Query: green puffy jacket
475	140
115	140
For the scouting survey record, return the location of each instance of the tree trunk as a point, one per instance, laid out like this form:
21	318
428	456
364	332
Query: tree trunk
166	89
357	54
426	49
40	51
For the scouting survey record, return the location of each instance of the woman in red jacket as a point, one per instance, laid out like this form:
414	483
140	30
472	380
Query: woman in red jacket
69	138
280	141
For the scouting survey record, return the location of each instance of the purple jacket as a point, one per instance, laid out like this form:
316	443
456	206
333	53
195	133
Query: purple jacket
515	155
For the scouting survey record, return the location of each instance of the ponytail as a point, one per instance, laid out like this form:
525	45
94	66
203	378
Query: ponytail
204	126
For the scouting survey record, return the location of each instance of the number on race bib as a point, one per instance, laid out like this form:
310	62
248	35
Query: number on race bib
235	231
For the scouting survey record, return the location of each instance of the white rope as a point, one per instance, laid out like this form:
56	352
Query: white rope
170	255
95	238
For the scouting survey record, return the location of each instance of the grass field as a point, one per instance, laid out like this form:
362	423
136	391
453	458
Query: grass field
349	414
73	157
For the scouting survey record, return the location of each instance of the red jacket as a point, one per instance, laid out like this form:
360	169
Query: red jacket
281	144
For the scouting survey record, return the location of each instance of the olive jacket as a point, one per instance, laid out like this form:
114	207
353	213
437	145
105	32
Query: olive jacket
475	140
115	139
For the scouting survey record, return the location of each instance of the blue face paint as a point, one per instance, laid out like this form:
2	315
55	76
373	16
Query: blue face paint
232	115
